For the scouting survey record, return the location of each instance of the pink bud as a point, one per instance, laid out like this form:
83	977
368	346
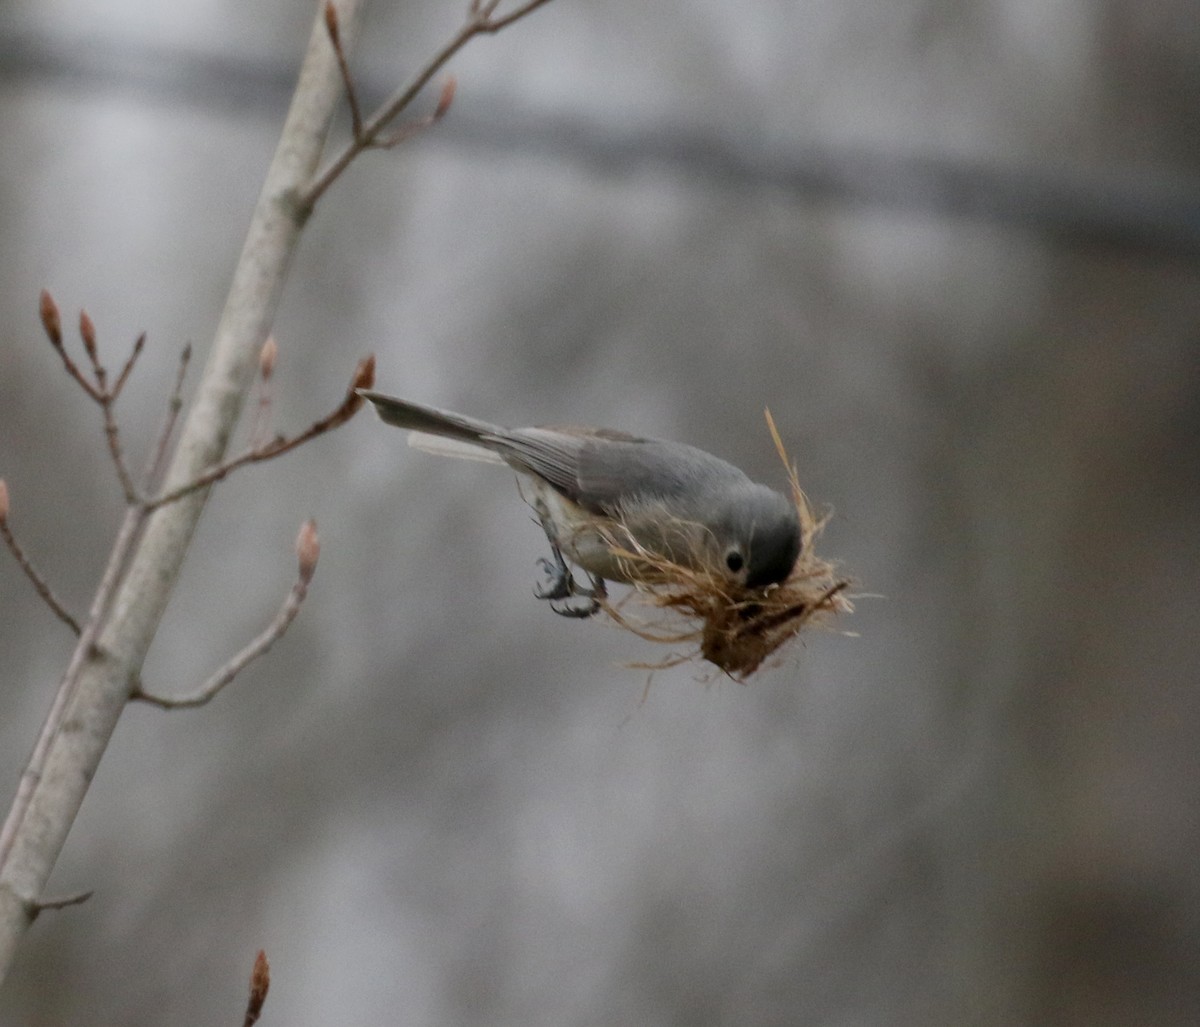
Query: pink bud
308	549
51	321
267	357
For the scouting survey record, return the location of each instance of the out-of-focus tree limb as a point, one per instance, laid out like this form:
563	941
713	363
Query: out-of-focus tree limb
109	657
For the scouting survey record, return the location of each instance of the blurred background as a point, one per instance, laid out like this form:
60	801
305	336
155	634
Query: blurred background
954	247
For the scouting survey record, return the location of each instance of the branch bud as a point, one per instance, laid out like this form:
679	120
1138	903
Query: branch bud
308	549
331	24
267	357
87	332
260	983
446	98
364	378
3	501
51	322
364	374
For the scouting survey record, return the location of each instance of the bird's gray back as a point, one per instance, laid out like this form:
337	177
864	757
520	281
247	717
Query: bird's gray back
603	471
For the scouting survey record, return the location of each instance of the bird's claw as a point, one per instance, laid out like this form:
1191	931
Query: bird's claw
559	583
573	608
564	592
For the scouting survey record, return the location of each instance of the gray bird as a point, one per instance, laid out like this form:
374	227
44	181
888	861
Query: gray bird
595	487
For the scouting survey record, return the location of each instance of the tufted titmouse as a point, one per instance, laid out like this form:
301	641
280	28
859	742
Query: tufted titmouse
595	488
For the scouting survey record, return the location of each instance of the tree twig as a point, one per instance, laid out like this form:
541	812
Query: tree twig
113	436
335	38
123	377
369	133
406	132
350	405
491	25
307	550
106	397
174	405
31	572
62	902
98	390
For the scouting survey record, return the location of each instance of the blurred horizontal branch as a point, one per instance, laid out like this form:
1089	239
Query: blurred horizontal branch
1130	207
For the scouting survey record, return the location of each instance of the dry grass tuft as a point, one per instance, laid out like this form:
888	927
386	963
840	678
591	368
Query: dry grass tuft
734	629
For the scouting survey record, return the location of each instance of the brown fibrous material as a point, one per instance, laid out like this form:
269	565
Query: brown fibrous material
735	629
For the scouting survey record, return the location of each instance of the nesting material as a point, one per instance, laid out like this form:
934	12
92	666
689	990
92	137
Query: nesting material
735	629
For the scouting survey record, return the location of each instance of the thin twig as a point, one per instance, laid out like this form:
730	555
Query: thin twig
364	377
106	397
335	37
491	24
97	390
123	377
62	902
307	549
406	132
174	405
479	21
31	572
113	436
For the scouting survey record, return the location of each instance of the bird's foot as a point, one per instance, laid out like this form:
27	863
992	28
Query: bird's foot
558	584
577	607
566	596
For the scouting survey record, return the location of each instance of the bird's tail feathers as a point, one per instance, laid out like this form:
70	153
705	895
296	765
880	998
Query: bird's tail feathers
429	420
441	445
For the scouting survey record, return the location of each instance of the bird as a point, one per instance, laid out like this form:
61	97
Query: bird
601	494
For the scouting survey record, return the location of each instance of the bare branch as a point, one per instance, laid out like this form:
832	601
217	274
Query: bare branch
113	436
335	37
403	134
97	390
260	983
307	550
106	397
62	902
370	133
123	377
31	572
490	24
174	405
364	377
149	551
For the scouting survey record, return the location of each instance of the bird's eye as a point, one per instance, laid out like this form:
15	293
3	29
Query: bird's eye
734	560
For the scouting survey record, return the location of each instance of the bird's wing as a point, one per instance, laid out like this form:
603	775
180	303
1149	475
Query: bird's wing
546	453
603	470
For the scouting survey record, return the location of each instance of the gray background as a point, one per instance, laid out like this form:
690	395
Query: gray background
955	248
